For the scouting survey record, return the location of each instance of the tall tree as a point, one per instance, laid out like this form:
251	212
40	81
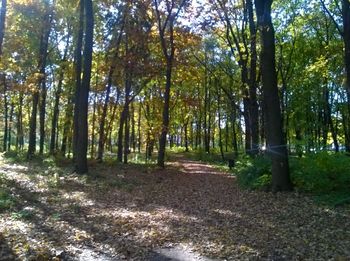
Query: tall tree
2	22
83	98
41	86
166	22
276	146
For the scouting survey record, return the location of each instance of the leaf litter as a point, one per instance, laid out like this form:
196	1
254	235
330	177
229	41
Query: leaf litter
190	208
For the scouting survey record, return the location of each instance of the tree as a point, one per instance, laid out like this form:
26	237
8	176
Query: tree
2	22
41	85
83	97
166	24
276	146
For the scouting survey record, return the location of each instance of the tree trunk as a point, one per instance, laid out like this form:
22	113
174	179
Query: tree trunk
276	147
139	130
101	140
20	138
2	23
5	113
165	124
122	120
92	148
78	70
45	43
10	127
346	37
82	136
253	107
55	115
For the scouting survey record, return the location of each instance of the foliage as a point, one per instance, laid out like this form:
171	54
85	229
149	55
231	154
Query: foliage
254	173
7	201
325	175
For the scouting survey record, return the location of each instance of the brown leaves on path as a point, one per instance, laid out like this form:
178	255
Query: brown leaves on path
128	212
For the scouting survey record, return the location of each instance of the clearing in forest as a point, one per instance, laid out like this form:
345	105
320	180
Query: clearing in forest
188	211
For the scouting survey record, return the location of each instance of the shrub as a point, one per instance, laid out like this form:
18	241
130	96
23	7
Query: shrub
322	173
254	173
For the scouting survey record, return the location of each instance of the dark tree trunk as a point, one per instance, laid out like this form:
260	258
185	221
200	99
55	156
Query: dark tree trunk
78	70
10	127
139	130
346	37
92	148
82	136
126	136
2	23
67	133
101	140
219	124
133	133
165	124
276	146
186	135
45	43
253	107
5	113
55	115
122	120
20	136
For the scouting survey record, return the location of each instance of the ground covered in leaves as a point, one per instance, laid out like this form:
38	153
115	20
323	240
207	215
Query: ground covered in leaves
139	212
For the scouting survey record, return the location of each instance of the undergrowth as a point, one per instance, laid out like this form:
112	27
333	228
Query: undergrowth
325	176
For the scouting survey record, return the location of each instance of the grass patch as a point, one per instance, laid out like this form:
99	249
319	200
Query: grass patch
7	201
24	214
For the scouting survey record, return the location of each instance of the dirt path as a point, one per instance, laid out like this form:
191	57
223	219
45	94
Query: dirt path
189	211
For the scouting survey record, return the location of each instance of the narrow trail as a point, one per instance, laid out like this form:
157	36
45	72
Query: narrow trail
188	211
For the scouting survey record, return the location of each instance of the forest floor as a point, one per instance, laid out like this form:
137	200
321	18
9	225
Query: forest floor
188	211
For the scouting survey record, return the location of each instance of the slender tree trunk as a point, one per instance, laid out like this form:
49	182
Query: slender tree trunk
5	113
2	23
92	148
276	147
186	136
122	121
45	41
133	133
10	127
20	136
127	136
219	125
165	124
82	136
55	116
139	130
67	133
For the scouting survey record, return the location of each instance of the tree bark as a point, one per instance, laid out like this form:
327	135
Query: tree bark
276	146
78	70
2	23
5	113
346	37
82	135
